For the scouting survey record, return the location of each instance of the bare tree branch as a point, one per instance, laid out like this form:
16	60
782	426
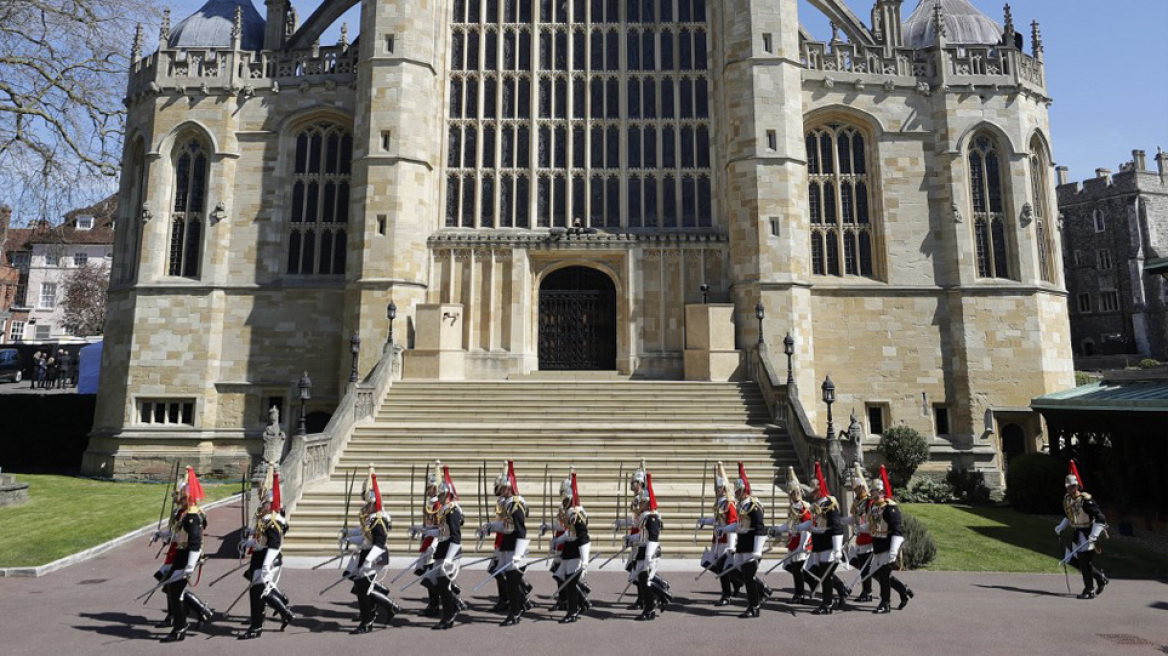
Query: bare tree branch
63	67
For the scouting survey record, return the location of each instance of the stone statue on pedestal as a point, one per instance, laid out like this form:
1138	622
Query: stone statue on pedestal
274	438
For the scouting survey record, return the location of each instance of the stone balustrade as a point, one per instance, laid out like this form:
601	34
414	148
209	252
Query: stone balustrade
242	70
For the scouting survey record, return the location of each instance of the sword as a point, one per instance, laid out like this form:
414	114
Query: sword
620	477
783	562
622	594
334	558
613	557
1075	551
705	475
410	544
228	611
713	565
1066	575
229	573
860	577
333	585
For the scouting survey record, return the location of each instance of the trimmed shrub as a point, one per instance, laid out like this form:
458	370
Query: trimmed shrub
919	549
922	489
968	485
1034	483
1148	363
903	450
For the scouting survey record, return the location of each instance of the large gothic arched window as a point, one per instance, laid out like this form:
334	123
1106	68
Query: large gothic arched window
319	213
191	167
1040	203
595	110
989	215
839	201
130	229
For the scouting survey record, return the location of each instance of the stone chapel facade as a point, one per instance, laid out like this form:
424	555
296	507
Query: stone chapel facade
886	195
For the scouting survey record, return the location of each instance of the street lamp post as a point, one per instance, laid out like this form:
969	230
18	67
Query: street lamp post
789	349
391	314
355	349
828	388
760	312
705	293
305	394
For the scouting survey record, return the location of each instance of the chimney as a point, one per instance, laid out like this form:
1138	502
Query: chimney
1103	174
1140	160
1161	161
1060	174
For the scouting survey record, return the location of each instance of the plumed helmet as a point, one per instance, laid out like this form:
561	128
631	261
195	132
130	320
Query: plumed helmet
191	489
639	475
823	491
1073	477
371	491
883	484
502	480
447	485
566	484
719	475
793	484
858	477
743	483
432	477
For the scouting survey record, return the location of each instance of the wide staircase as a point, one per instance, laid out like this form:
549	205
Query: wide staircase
546	424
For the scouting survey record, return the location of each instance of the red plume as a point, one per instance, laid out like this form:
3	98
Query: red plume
823	491
276	492
511	478
195	492
449	482
652	497
575	492
376	491
742	475
1074	471
887	485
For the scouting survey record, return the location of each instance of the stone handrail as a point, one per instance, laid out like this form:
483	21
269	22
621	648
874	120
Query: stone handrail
313	457
786	410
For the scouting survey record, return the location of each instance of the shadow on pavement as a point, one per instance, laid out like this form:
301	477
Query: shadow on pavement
1031	591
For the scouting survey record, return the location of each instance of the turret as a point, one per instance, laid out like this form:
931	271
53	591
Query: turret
886	22
275	29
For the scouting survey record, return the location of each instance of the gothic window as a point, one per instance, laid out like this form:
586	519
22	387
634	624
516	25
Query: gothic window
319	212
1039	199
989	217
595	110
191	167
839	202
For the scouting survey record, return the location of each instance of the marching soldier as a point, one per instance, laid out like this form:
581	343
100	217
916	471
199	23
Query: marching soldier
265	541
370	537
1088	522
513	548
861	554
752	537
718	556
827	541
186	535
446	534
429	543
887	529
502	603
644	538
576	546
798	541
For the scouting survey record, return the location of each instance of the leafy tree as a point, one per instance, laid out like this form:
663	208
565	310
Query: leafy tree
903	450
84	299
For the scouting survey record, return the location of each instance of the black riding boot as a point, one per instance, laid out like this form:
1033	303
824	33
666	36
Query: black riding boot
516	602
277	604
256	627
364	607
753	592
448	602
201	610
645	593
382	600
824	573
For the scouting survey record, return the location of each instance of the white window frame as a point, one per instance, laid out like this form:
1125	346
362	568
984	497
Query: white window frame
16	331
80	259
46	300
85	223
43	331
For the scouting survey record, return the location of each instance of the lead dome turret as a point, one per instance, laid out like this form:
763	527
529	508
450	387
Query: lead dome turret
211	26
965	24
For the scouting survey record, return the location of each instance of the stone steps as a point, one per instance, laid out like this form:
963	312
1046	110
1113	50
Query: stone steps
549	424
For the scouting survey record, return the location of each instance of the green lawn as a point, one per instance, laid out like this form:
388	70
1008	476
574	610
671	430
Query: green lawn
65	514
977	539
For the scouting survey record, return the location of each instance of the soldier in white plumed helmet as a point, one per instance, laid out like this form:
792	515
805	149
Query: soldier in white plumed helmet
718	557
446	532
186	534
827	543
513	548
1084	516
372	559
860	555
265	541
576	546
798	541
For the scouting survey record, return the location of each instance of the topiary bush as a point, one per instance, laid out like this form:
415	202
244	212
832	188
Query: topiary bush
1148	363
918	549
968	485
1034	483
903	450
922	489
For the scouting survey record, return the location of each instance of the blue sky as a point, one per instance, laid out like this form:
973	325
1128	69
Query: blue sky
1106	64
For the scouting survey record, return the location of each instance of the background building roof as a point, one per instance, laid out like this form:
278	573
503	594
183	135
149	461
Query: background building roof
211	25
964	25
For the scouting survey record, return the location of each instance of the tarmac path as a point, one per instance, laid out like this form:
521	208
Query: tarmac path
89	608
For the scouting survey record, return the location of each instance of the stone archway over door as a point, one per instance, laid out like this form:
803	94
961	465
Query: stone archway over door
577	321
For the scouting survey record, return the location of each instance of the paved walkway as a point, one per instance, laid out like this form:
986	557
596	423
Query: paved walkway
90	609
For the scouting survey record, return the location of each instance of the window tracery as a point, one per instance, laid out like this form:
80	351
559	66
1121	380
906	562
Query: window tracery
839	201
319	213
191	168
989	216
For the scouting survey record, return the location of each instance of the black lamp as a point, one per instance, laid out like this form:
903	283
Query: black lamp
305	394
789	349
391	313
705	293
829	398
355	349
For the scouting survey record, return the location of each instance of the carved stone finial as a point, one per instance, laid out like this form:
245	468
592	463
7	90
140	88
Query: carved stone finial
237	25
136	49
835	37
344	42
1008	30
939	22
164	29
1036	38
290	21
